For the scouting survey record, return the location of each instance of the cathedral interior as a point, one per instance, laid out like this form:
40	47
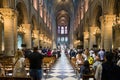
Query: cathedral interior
53	23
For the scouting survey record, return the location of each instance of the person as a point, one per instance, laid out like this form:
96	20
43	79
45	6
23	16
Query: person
97	62
19	69
107	70
49	53
79	59
35	60
72	54
101	53
86	54
84	69
118	62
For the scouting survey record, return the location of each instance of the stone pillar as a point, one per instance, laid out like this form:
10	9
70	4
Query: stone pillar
27	35
8	15
36	40
1	37
15	31
106	34
53	42
116	37
92	37
86	38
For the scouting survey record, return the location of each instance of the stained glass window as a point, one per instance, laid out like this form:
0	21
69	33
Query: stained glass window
62	30
66	31
58	29
66	39
62	39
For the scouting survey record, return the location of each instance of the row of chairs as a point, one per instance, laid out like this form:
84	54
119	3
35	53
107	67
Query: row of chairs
8	66
15	78
76	68
48	62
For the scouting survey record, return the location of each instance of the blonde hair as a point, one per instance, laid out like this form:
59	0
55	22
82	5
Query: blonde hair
18	54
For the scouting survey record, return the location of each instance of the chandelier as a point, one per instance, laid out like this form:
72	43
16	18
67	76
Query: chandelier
21	30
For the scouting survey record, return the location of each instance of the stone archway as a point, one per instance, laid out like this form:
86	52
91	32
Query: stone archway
22	21
96	25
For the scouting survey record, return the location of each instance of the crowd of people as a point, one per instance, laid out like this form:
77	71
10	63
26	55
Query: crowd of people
105	64
35	57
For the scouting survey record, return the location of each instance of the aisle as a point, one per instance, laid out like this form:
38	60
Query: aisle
62	70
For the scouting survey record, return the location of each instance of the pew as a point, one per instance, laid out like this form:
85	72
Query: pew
48	62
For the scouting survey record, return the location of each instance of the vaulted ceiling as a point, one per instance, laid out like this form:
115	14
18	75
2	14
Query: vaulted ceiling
63	11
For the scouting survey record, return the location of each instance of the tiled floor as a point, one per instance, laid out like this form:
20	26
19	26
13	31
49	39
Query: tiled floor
62	70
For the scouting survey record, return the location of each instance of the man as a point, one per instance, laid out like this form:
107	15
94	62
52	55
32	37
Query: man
101	54
35	59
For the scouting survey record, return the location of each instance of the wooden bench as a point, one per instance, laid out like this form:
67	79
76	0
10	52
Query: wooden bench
7	64
15	78
48	62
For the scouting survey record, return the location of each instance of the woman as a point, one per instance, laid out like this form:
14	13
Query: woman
19	68
84	69
79	59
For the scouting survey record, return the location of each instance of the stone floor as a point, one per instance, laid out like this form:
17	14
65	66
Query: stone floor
62	70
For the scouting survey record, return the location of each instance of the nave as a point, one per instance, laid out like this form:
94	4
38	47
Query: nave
62	70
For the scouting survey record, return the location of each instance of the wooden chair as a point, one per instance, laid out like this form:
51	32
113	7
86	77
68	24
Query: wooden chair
48	63
15	78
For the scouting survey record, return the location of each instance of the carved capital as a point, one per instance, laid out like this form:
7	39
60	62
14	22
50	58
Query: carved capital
116	27
107	18
7	13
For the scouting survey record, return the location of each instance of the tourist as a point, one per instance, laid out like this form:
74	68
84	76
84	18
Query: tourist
19	66
84	69
35	60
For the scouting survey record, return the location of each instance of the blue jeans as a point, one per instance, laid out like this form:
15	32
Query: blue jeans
36	74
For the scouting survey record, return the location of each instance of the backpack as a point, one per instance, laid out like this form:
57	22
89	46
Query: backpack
90	60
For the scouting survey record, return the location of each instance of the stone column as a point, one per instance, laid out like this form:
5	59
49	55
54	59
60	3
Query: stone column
15	31
27	35
53	42
86	38
8	15
92	37
116	37
36	40
1	37
106	34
